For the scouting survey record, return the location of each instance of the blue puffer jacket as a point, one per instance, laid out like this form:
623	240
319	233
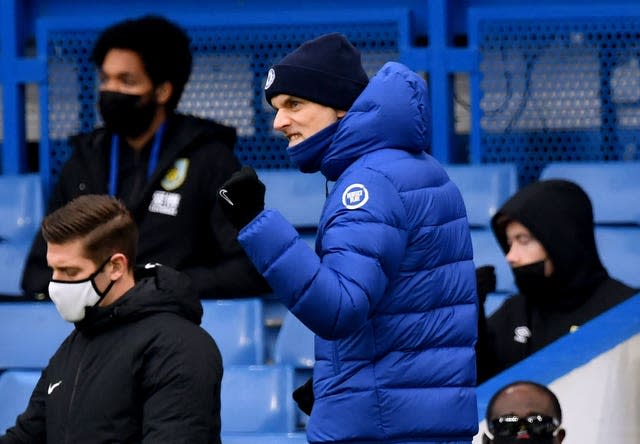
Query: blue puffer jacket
390	293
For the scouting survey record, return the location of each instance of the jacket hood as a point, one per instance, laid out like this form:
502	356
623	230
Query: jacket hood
393	111
559	214
158	289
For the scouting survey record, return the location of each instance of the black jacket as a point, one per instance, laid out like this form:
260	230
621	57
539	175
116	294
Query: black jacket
196	158
559	214
139	370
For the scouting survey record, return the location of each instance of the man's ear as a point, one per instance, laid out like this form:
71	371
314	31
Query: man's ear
340	114
561	435
164	91
119	266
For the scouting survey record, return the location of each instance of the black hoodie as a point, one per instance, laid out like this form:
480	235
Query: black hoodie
559	215
138	370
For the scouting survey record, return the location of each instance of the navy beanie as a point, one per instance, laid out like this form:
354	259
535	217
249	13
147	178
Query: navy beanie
326	70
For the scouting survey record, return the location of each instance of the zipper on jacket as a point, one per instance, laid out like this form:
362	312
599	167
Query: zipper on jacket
73	393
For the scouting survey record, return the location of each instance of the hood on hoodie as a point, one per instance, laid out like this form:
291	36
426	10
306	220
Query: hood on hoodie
559	215
158	289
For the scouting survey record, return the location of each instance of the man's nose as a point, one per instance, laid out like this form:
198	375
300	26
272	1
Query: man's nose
281	121
512	256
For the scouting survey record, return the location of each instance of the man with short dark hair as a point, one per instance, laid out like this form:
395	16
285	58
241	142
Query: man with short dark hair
165	166
524	412
137	367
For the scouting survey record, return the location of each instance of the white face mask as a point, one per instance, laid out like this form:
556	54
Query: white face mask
72	297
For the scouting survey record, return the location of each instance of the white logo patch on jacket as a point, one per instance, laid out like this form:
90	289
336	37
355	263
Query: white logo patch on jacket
165	203
355	196
521	334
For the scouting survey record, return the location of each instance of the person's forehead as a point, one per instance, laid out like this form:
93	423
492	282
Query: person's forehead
514	228
68	254
123	60
522	400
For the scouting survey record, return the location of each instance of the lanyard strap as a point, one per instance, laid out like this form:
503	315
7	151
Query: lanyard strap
115	154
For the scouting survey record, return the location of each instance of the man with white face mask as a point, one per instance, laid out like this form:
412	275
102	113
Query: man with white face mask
137	367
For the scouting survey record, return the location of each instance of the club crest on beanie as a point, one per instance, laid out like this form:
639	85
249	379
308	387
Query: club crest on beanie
326	70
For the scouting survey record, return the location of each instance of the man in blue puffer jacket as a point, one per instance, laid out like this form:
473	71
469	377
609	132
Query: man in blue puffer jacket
390	290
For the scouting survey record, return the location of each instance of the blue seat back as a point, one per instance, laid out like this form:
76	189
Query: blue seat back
484	188
619	249
257	399
22	209
16	387
237	327
21	206
295	344
264	438
30	334
299	197
613	187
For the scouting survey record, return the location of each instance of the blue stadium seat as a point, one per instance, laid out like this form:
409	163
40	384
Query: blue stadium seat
613	187
619	249
295	344
237	327
614	190
15	390
484	188
299	197
31	332
295	347
264	438
257	399
22	209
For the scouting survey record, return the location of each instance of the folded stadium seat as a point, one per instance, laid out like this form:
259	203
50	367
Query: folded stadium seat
265	438
484	188
300	198
15	390
22	209
257	399
614	190
31	332
295	347
237	327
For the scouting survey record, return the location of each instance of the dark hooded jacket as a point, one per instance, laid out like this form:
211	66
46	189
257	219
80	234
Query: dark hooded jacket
180	223
559	215
138	370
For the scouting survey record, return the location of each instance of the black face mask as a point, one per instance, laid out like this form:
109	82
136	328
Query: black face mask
540	289
128	115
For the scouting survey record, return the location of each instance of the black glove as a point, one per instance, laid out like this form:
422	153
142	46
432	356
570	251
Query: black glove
485	281
303	396
242	197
